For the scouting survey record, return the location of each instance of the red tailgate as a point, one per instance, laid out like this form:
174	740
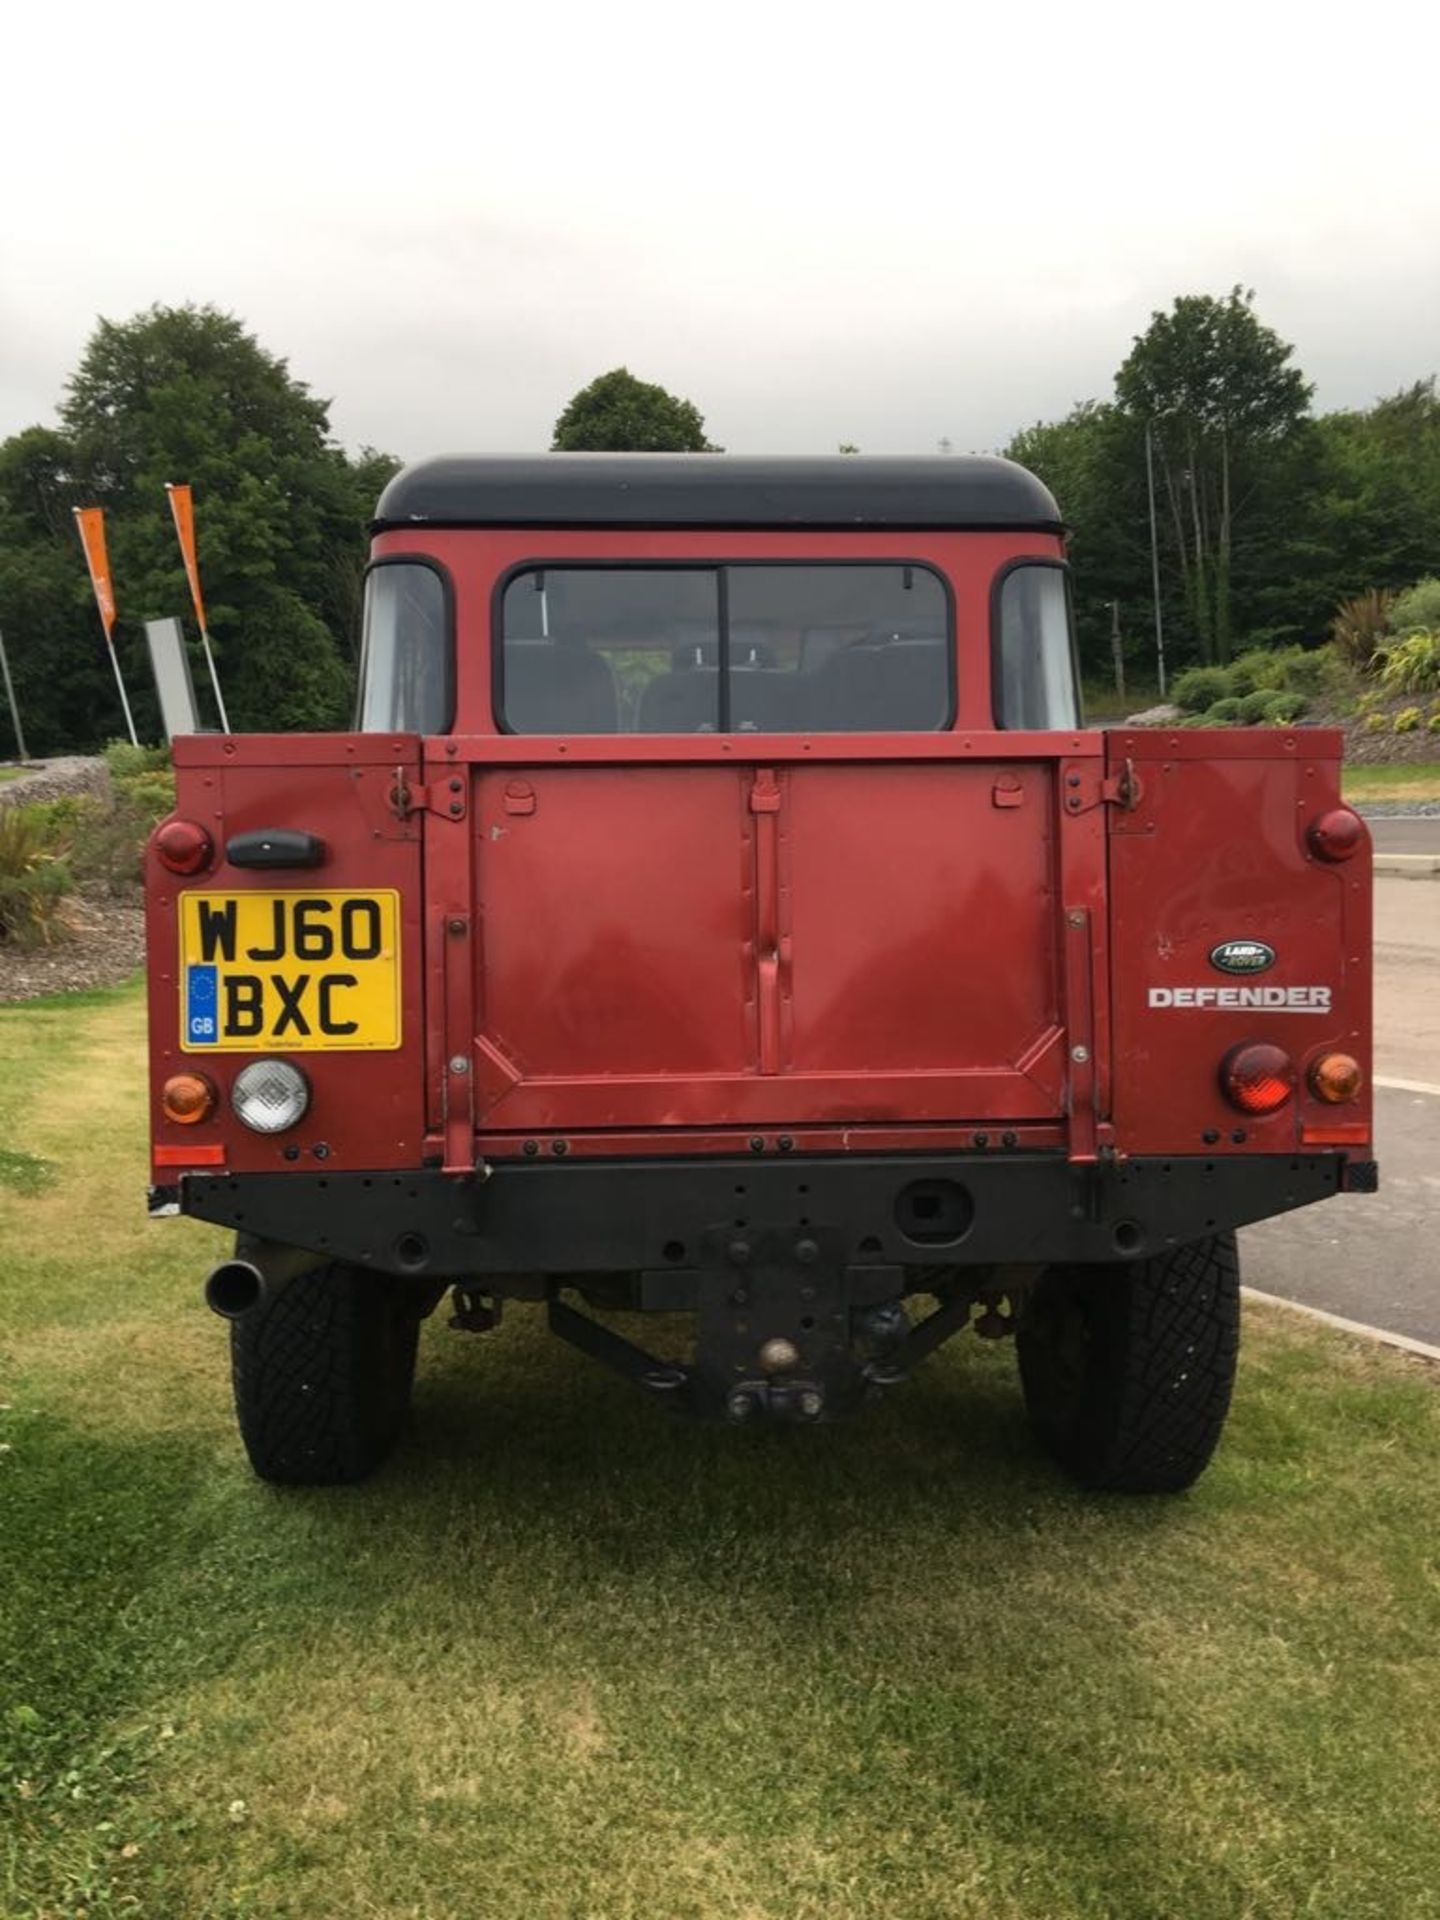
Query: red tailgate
821	935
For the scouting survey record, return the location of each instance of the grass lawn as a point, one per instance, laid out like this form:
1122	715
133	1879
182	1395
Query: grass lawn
567	1661
1411	780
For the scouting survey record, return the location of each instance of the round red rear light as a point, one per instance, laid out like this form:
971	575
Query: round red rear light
1337	835
1257	1077
183	846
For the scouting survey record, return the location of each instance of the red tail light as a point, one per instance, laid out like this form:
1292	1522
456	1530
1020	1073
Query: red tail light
1337	835
1257	1077
183	846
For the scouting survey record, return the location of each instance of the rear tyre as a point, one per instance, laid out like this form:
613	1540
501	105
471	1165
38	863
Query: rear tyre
1128	1368
323	1373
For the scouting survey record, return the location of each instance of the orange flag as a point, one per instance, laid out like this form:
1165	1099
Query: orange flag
182	510
91	524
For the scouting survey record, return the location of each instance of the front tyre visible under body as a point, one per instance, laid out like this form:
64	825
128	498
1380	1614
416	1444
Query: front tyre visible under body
323	1371
1128	1368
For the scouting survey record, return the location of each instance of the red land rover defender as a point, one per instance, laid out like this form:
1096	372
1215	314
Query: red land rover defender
720	907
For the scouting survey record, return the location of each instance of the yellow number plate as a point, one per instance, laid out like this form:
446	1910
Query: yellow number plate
289	972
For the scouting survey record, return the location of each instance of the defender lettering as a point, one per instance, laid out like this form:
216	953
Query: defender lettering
1239	999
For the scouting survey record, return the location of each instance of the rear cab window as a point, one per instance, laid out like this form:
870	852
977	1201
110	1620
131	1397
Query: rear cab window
1035	683
793	647
407	673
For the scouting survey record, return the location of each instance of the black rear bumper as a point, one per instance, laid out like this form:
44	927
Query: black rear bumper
651	1217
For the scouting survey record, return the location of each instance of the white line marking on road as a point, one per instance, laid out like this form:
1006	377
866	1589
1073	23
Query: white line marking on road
1407	1086
1380	1334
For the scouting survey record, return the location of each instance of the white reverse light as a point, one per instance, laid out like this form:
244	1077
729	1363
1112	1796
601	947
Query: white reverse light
270	1095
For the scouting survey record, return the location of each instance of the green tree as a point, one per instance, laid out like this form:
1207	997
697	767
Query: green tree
1215	389
1094	463
619	414
186	394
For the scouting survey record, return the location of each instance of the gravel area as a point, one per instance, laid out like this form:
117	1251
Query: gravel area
1398	809
50	779
102	939
105	944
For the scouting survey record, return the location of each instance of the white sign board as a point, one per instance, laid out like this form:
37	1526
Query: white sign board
171	665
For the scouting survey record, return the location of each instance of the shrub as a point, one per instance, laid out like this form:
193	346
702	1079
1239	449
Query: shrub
1284	709
1309	670
125	761
1255	670
1417	606
1224	713
1375	723
152	794
1407	720
34	878
1432	725
1359	626
1197	689
1255	707
1412	665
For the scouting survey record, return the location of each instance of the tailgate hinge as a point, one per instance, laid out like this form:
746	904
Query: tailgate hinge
445	797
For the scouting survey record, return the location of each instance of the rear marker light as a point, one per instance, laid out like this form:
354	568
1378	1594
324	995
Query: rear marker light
1337	835
1336	1077
1257	1077
270	1095
183	846
187	1099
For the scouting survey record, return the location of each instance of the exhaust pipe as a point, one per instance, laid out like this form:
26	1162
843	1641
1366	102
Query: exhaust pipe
258	1271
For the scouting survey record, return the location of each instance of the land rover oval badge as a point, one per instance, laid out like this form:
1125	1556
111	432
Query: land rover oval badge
1242	956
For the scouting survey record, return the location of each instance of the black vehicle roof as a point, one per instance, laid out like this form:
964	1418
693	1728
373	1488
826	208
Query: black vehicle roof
716	490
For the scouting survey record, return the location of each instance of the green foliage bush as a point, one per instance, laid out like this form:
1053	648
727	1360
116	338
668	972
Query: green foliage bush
1255	707
1224	713
1412	665
1432	725
1283	709
1359	627
151	794
1375	723
1417	606
1407	719
125	761
1197	690
1253	672
34	877
1307	670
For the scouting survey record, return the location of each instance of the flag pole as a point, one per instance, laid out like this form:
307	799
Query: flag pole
10	696
90	524
124	698
214	679
182	512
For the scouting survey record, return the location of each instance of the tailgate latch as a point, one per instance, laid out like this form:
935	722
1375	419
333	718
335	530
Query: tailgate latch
1123	789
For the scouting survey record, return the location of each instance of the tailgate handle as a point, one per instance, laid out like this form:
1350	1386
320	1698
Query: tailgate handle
275	847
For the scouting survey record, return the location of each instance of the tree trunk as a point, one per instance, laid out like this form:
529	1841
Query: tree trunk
1222	565
1201	598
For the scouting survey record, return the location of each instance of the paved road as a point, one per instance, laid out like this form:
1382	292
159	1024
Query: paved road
1372	1257
1419	833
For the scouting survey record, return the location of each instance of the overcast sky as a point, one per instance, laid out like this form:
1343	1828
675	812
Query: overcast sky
884	224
